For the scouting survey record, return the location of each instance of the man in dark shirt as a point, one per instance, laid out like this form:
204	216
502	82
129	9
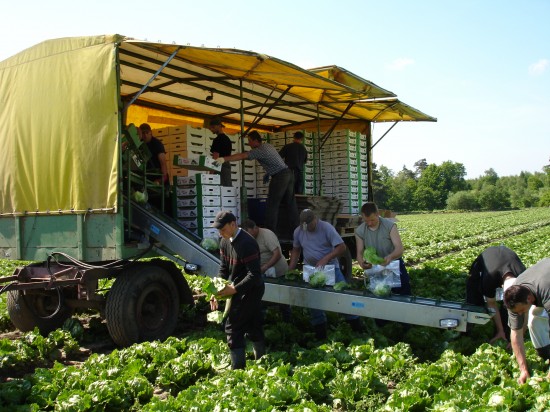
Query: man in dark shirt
295	156
240	264
157	162
221	147
489	271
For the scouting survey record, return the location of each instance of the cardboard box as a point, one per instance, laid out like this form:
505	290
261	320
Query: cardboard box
200	178
198	190
204	163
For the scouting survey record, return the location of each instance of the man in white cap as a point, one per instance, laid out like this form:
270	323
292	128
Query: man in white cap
240	264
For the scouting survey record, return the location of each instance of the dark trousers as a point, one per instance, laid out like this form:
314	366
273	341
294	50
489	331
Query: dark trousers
281	192
225	178
405	288
298	181
245	317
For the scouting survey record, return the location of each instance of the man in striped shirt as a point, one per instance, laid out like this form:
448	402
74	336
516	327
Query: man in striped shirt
281	185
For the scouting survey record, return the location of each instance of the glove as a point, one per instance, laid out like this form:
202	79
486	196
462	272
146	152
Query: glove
219	161
266	179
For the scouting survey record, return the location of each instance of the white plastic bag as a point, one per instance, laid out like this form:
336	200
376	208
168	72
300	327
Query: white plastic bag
382	278
328	270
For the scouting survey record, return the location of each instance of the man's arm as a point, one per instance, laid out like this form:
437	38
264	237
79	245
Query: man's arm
337	251
499	334
163	167
234	157
294	257
516	338
275	256
397	245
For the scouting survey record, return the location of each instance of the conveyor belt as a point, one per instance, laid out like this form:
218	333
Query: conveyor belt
408	309
175	238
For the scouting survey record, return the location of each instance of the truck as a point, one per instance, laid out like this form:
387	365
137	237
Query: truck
66	195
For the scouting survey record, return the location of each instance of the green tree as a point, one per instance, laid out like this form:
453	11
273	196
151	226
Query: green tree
441	181
402	192
462	200
544	199
491	197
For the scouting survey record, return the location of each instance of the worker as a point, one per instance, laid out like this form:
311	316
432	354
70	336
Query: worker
273	263
240	264
281	186
529	296
321	245
295	156
494	268
381	233
221	147
157	162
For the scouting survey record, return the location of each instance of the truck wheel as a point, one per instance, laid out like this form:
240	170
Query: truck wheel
346	263
142	305
44	310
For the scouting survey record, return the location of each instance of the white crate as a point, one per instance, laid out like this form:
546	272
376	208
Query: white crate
188	130
187	212
230	202
189	202
343	139
344	132
209	201
344	175
201	190
160	132
188	223
209	232
199	178
344	153
229	191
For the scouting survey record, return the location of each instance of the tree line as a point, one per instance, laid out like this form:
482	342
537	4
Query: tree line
435	187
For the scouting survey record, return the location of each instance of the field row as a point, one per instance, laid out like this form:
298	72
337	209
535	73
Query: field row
435	229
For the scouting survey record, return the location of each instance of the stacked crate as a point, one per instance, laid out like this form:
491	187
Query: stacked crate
362	164
199	198
340	169
183	141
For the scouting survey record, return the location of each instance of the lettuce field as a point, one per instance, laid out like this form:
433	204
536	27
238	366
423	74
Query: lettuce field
386	367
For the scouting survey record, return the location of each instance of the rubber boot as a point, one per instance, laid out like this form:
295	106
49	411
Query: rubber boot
259	349
320	331
238	358
544	352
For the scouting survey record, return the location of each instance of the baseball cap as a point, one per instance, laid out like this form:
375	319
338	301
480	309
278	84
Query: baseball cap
222	218
307	216
216	121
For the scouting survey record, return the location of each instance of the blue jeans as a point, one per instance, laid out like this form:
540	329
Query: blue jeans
317	316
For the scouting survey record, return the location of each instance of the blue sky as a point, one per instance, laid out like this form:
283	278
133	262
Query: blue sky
482	68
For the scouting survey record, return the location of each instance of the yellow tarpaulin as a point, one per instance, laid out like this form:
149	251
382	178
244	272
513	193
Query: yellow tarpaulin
62	103
59	116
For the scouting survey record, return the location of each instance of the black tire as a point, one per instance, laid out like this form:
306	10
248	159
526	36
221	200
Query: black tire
142	305
346	263
45	310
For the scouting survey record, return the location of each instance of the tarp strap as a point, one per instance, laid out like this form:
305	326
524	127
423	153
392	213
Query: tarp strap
153	77
387	131
271	106
328	133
